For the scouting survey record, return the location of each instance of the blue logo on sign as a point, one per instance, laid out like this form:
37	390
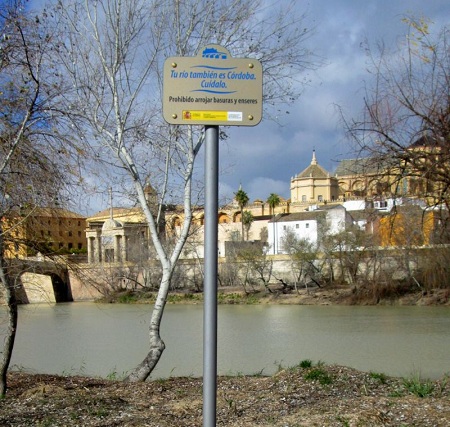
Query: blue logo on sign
212	53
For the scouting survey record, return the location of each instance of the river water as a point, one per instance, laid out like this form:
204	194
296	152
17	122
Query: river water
110	339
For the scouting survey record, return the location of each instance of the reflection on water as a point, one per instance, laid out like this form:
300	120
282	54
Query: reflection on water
102	339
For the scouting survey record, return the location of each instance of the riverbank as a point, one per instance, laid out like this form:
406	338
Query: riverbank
336	295
300	396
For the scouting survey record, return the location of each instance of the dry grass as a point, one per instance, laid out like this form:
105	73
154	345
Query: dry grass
292	397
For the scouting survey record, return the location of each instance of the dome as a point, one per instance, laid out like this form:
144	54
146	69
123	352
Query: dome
314	170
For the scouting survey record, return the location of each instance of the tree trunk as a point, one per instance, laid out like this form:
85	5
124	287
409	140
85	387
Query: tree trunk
242	224
11	304
157	346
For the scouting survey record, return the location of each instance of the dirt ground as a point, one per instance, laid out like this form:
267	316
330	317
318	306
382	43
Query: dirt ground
312	396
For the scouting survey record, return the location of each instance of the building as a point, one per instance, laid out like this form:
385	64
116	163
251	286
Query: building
117	235
314	185
310	226
411	225
361	192
43	230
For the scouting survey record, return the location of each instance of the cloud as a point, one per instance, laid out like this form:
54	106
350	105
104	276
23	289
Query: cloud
261	187
264	158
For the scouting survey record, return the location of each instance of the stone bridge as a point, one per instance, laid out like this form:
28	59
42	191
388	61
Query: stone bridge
41	281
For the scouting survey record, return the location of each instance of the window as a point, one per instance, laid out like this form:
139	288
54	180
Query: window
80	245
303	198
320	198
297	225
284	227
79	234
307	225
70	233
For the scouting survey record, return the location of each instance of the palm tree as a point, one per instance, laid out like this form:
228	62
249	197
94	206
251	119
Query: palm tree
273	200
247	220
242	199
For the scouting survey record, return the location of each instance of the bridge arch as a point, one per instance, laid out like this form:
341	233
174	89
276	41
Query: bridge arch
41	282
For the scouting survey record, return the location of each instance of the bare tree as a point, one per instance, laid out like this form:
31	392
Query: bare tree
256	265
34	164
351	249
405	125
302	253
113	55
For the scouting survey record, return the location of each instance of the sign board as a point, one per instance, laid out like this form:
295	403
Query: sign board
212	88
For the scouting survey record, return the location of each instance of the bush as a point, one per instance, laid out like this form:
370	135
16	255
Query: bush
318	374
307	363
420	388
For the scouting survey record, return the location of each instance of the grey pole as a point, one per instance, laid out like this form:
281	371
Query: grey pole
210	284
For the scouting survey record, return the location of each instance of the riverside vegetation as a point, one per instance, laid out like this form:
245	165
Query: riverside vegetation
394	294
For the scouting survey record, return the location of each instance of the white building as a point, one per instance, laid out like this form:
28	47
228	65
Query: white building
309	225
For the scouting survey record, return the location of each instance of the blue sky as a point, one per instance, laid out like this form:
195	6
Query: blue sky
264	158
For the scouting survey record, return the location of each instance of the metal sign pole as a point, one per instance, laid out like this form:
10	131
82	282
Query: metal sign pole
210	284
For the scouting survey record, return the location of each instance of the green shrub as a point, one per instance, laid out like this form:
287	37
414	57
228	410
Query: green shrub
382	378
420	388
307	363
127	297
318	374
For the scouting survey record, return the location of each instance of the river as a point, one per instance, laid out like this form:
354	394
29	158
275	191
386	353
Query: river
110	339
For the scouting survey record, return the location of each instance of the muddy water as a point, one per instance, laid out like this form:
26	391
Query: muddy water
107	339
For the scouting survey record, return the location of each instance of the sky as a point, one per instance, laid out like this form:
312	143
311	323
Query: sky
264	158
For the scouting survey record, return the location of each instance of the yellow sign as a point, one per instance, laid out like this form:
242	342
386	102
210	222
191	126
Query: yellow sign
212	88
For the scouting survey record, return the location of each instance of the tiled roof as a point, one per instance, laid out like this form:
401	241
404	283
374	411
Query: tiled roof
357	167
299	216
314	170
54	213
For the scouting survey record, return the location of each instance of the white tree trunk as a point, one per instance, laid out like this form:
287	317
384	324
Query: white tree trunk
156	344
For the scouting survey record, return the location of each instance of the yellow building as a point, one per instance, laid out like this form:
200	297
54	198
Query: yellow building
420	176
114	235
314	185
360	178
44	230
412	226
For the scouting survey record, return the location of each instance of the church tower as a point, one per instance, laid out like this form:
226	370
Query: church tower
314	185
